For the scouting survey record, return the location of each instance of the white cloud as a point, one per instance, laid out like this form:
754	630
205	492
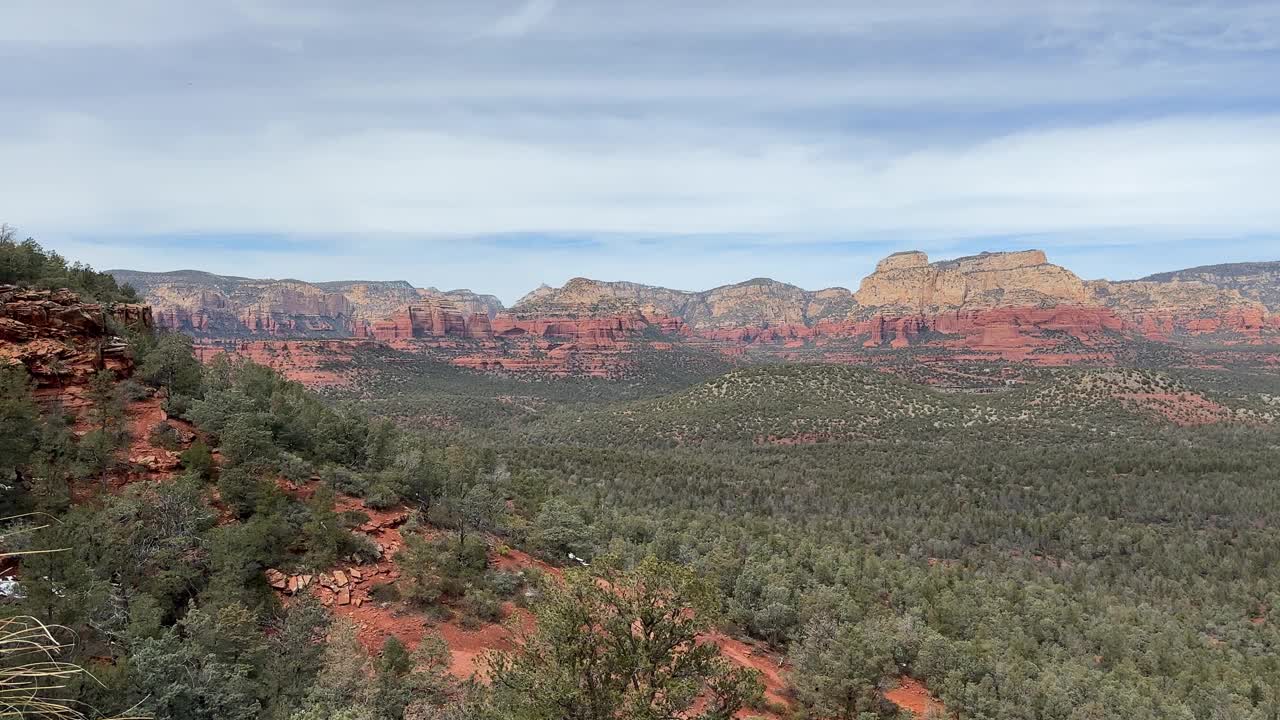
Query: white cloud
530	15
1194	173
811	120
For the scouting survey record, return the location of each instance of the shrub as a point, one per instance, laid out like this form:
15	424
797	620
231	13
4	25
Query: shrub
344	481
384	592
480	607
163	435
381	496
362	549
198	459
504	583
134	391
293	468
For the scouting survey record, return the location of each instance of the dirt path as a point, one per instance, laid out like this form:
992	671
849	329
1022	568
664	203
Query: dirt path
913	696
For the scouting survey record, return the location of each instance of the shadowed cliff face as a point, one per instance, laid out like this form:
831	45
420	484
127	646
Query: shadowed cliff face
1011	306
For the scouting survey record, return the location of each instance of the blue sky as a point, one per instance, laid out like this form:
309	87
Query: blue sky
498	145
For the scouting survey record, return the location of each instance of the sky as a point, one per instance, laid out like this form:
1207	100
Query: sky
500	144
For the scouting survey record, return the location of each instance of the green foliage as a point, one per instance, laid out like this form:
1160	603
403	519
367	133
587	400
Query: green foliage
296	649
100	448
558	530
27	263
208	668
612	643
353	685
172	365
19	428
198	459
247	437
838	667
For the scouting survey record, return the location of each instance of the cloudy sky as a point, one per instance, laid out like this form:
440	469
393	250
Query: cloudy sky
498	144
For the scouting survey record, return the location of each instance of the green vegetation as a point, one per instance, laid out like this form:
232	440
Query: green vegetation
1042	544
614	644
26	263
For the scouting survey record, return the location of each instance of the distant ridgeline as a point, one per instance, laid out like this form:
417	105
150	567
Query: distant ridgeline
1007	306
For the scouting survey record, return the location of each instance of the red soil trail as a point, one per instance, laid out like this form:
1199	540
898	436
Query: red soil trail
911	695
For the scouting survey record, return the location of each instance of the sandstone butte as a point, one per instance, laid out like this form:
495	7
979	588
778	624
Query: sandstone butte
1011	305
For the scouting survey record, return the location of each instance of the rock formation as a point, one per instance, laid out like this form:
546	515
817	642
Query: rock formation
220	306
62	341
908	282
755	303
1257	281
1009	305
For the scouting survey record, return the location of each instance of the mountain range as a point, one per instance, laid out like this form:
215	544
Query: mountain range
1010	305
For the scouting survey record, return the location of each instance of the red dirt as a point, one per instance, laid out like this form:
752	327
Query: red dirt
1186	409
376	621
770	665
911	695
141	461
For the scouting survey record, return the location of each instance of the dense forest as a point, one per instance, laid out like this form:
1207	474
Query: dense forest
1055	551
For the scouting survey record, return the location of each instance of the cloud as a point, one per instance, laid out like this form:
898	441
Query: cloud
751	129
1189	173
530	15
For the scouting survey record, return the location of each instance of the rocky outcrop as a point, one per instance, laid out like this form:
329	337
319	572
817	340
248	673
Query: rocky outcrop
909	282
1009	305
1256	281
220	306
374	300
760	302
62	341
1166	310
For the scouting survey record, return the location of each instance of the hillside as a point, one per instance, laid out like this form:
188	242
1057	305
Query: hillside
860	535
1258	281
807	404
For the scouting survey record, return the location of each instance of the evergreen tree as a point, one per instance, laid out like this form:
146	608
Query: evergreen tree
611	643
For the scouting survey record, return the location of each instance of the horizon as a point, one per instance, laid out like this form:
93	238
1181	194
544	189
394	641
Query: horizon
509	302
502	145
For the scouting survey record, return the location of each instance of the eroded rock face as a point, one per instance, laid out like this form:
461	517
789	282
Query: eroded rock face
1256	281
218	306
62	341
907	281
760	302
1012	305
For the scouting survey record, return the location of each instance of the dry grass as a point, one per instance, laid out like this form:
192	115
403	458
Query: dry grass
31	674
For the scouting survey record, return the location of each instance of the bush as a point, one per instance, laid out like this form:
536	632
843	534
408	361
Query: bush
198	459
240	490
381	496
163	435
480	607
293	468
384	592
177	405
344	481
504	583
134	391
362	549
